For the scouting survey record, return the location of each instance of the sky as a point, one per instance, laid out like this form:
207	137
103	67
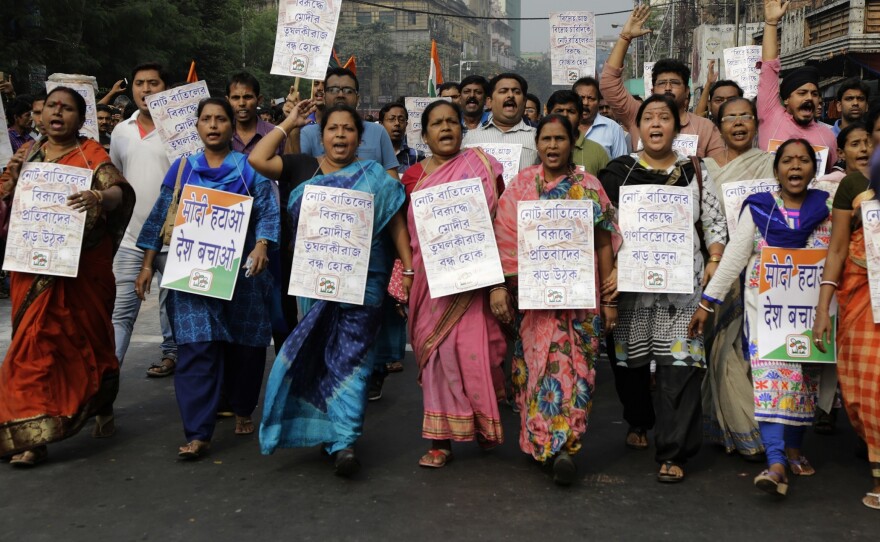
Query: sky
536	34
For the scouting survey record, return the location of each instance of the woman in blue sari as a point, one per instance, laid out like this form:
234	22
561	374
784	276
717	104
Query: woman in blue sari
317	390
221	344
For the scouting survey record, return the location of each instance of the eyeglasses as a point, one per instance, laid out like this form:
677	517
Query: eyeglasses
348	91
735	118
396	118
669	82
531	110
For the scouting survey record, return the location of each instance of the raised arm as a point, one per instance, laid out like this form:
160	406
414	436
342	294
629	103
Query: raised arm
264	158
611	83
773	12
702	109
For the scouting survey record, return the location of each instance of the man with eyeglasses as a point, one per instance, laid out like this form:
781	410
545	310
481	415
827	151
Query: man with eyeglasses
532	112
341	87
394	117
670	77
790	109
593	125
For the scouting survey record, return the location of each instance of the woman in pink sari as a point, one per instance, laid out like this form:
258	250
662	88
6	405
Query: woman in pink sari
458	345
555	350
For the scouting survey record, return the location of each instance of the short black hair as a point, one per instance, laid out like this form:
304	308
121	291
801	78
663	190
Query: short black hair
341	72
227	107
243	78
448	85
853	83
388	107
163	74
104	107
587	82
358	122
475	80
523	84
426	114
733	101
20	106
671	65
77	99
844	133
40	97
666	100
565	97
811	152
532	97
725	83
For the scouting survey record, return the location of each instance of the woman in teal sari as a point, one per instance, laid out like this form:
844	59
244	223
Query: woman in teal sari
317	391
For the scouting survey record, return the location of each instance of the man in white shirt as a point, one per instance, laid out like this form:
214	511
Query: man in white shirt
137	150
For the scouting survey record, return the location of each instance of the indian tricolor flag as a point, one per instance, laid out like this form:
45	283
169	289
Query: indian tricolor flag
435	77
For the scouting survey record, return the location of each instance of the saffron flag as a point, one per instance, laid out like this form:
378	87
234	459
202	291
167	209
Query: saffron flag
351	65
192	76
435	76
334	60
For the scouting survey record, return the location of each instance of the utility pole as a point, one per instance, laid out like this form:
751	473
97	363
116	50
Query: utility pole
672	31
736	23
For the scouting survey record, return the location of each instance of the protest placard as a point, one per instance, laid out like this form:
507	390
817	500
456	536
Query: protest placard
572	46
556	254
686	144
87	91
207	245
5	143
734	193
788	290
456	236
304	37
871	228
507	155
45	235
647	73
174	114
657	254
740	65
821	154
415	106
331	253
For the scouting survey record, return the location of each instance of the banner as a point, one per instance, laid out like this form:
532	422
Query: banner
788	286
709	43
207	244
686	144
45	235
657	255
740	65
507	154
871	223
304	38
572	46
414	109
734	193
90	128
5	143
174	113
456	236
821	154
556	254
331	253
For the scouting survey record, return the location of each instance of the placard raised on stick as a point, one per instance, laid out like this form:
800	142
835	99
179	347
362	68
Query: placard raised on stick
572	46
174	113
304	37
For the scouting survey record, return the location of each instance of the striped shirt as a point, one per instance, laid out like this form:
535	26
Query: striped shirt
522	133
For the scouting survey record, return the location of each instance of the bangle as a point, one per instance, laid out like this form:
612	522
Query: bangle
498	288
714	259
625	37
408	273
278	127
768	23
829	283
705	308
150	269
98	195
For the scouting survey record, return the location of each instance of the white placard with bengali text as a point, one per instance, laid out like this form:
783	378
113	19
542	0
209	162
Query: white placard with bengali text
174	113
456	237
507	155
686	144
331	254
657	224
304	37
740	65
648	70
5	143
572	46
90	127
821	154
415	106
871	224
735	193
45	235
556	254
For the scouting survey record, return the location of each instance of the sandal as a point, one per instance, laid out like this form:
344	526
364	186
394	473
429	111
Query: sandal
394	367
346	463
105	426
872	500
164	368
637	438
30	458
668	477
772	482
194	449
436	458
244	425
801	467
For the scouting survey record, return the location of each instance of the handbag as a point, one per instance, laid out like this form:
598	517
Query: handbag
168	226
395	284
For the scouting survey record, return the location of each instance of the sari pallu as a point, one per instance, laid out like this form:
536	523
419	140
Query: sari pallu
458	343
858	341
317	390
555	351
61	366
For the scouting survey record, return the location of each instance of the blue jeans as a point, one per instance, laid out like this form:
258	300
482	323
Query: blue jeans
777	437
126	267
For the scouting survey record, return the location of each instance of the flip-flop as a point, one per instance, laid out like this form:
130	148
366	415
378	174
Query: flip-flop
30	458
639	434
771	482
394	367
194	449
667	477
244	426
431	457
872	500
162	369
801	467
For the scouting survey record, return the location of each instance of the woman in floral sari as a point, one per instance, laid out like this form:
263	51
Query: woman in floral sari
317	390
458	345
555	350
61	367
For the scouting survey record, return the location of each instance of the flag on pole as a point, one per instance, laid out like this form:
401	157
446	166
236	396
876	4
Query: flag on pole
435	76
351	65
334	60
192	76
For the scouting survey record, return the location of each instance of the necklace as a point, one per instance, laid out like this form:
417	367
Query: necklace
60	151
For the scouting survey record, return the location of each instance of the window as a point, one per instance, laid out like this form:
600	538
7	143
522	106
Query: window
412	18
387	17
364	18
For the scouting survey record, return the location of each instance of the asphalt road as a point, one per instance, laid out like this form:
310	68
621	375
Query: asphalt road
132	487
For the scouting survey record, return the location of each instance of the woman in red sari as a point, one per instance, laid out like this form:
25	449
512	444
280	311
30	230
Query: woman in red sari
61	367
